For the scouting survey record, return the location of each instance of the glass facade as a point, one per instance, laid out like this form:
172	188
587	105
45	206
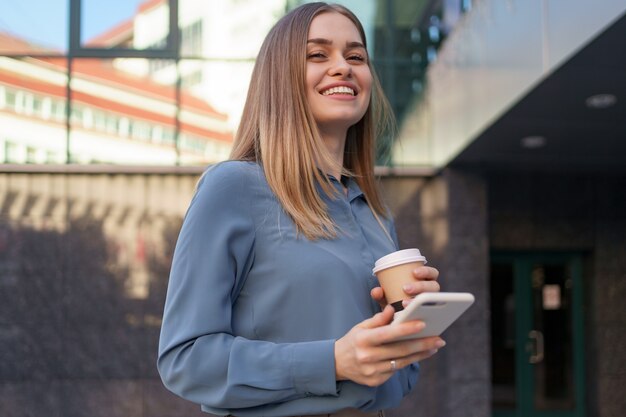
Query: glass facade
163	82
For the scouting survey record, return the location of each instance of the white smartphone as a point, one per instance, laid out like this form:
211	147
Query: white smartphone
438	310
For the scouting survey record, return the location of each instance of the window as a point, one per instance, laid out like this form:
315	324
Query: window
191	39
192	79
77	115
14	153
10	99
58	110
31	155
124	127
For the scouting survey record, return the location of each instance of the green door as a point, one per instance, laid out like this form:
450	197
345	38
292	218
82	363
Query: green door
537	335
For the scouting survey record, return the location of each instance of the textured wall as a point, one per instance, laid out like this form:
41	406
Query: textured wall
446	218
84	261
83	271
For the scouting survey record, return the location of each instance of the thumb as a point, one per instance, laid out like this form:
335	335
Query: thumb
380	319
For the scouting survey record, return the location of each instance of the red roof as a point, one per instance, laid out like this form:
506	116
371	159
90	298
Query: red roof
122	32
148	4
101	71
117	35
105	73
10	43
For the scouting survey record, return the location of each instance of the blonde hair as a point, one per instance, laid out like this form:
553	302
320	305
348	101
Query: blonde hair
279	132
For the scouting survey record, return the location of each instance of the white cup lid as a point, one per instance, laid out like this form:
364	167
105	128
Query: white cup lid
398	258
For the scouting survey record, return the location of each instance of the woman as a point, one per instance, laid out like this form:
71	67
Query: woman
272	308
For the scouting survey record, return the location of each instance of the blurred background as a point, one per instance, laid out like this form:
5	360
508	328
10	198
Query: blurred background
508	171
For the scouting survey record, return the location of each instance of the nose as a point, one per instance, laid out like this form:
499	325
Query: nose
340	67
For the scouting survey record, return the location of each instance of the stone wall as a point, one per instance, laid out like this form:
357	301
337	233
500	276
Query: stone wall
84	260
446	218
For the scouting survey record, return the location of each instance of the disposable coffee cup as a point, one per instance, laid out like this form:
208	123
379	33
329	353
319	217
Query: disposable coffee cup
395	270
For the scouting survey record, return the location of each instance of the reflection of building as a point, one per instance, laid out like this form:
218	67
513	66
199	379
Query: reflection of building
217	52
116	117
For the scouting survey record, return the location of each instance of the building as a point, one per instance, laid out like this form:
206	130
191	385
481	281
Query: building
116	117
522	118
509	174
216	54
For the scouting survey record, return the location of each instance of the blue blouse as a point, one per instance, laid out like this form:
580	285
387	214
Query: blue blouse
253	309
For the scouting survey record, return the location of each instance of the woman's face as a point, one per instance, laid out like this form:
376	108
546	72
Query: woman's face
338	78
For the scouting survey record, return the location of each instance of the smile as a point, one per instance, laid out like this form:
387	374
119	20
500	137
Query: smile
339	90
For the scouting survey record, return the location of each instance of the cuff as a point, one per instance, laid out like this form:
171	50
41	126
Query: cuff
313	368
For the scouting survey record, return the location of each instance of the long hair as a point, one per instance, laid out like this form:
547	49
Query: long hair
278	130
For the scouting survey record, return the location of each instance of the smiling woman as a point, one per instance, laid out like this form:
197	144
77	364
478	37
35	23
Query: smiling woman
289	132
338	79
272	308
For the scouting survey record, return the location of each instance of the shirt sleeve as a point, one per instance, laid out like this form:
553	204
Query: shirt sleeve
408	377
200	358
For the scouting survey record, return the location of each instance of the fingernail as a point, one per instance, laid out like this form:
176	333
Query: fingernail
419	325
407	287
440	343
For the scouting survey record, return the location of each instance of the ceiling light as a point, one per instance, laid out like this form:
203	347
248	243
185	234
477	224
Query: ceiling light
601	101
533	142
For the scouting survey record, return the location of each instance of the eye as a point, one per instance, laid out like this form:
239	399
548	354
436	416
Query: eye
316	55
356	57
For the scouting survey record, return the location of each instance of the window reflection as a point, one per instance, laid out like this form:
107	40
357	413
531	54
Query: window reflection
122	113
173	104
117	111
191	39
32	110
137	24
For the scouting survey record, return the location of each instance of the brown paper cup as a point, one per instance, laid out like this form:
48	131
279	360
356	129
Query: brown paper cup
395	270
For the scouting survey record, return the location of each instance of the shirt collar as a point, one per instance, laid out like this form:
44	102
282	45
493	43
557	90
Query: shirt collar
354	191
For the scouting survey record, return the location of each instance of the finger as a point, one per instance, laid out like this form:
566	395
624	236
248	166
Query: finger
407	348
426	272
406	361
418	287
388	334
377	294
380	319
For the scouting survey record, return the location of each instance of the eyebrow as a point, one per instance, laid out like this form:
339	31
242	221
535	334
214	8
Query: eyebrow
323	41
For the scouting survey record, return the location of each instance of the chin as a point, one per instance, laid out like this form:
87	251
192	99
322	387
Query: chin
345	120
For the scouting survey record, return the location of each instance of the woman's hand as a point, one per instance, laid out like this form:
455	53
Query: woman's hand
365	354
425	281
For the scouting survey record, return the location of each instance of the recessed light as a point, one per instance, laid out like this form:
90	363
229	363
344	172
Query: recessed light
601	101
533	142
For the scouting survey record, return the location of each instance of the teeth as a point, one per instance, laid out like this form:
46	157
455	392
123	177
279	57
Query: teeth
338	90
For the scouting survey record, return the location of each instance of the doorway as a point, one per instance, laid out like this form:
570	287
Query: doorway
537	335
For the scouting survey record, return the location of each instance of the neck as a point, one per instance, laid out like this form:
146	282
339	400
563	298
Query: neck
335	144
